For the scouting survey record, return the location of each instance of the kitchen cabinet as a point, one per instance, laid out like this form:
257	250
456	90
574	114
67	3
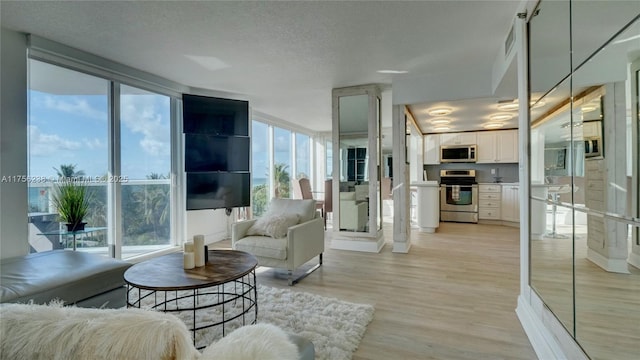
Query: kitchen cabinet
464	138
497	146
432	149
428	205
489	196
510	202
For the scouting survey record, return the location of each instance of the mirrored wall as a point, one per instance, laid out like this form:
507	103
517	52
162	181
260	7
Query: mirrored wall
584	62
356	185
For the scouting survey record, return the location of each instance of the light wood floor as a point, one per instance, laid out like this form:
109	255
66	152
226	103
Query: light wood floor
452	297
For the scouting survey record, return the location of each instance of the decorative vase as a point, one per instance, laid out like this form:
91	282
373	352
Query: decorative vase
72	227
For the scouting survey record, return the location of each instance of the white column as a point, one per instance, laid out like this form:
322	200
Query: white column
401	191
13	144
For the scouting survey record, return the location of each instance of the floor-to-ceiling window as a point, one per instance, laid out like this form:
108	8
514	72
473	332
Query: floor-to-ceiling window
123	161
68	138
260	168
278	156
145	149
303	156
282	165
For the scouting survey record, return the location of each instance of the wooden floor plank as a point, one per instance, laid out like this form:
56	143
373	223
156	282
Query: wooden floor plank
453	296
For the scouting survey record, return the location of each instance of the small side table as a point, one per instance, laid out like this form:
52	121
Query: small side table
223	292
73	234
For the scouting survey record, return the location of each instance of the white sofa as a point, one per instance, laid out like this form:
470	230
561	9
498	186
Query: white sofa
54	332
300	241
353	214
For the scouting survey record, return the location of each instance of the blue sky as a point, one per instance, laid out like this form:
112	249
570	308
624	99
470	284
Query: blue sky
73	129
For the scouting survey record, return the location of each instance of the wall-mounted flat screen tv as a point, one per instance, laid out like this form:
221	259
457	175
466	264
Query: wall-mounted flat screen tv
218	190
216	153
214	116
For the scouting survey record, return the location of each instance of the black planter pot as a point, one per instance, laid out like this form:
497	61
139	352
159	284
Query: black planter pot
75	226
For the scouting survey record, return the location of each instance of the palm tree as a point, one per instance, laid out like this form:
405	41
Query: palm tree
69	171
281	180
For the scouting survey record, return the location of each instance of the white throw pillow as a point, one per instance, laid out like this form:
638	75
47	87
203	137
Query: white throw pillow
273	225
305	209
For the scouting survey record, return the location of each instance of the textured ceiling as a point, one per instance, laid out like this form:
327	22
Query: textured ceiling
285	57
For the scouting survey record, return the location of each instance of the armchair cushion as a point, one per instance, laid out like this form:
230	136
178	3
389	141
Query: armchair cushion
305	209
273	225
262	246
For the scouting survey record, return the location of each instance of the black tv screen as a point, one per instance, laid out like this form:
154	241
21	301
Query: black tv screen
214	116
216	153
218	190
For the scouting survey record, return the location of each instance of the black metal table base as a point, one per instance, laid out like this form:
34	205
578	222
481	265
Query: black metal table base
209	312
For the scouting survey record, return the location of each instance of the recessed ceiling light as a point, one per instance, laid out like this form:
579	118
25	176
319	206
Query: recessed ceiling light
441	128
439	111
440	121
511	106
493	125
500	117
392	71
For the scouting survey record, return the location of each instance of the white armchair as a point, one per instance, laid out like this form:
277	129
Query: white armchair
287	236
353	214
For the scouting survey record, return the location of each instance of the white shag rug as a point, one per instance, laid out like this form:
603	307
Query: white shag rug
334	326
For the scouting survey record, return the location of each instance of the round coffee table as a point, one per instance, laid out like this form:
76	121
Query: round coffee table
222	294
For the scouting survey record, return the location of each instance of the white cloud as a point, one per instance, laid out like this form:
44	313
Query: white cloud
76	106
94	143
41	144
139	116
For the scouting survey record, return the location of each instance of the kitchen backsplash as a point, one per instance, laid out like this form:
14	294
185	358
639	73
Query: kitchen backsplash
508	172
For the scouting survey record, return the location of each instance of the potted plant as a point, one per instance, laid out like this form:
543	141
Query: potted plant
71	199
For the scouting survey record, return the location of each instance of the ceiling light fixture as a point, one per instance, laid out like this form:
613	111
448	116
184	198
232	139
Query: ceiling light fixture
509	106
494	125
500	117
440	121
439	111
441	128
392	71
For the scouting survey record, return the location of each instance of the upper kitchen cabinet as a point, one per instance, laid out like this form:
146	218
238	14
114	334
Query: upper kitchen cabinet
432	149
497	146
463	138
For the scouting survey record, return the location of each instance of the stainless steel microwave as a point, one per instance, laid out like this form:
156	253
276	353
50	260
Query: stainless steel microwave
592	147
458	153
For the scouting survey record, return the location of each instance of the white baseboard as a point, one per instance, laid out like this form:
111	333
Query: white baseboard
611	265
542	342
634	260
430	230
401	247
373	245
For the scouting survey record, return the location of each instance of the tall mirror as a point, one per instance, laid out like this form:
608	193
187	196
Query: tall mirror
357	136
584	247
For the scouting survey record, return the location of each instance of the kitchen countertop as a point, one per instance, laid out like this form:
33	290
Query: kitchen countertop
425	183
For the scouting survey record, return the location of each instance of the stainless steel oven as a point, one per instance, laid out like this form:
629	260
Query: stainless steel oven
458	196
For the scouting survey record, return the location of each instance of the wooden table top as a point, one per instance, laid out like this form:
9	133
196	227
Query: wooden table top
166	272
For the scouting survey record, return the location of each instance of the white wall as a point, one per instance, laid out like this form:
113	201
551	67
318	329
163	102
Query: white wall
13	143
215	225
